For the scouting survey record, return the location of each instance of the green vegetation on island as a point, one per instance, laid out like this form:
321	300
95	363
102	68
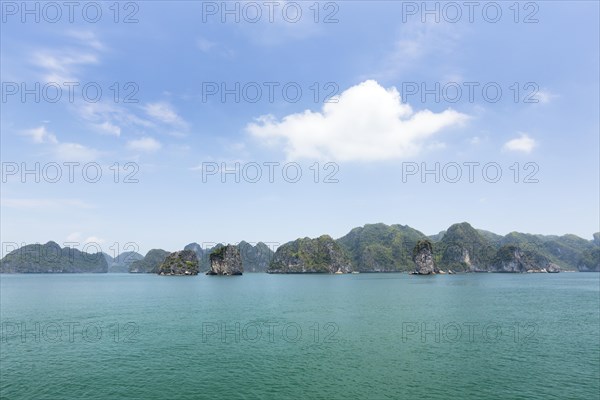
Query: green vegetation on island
184	262
381	248
150	263
51	258
226	260
370	248
320	255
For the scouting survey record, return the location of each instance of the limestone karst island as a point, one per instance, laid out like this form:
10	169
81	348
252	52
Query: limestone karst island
371	248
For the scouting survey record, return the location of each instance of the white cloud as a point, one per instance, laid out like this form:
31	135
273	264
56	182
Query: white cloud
75	152
368	123
87	38
164	113
40	135
107	117
108	128
62	66
523	144
61	150
146	144
545	96
65	64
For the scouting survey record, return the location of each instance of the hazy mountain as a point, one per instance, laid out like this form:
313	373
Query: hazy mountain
370	248
51	258
150	263
255	258
122	262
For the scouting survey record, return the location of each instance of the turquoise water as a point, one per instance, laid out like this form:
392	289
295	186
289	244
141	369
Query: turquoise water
487	336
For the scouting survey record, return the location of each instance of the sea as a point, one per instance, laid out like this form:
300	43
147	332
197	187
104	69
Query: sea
260	336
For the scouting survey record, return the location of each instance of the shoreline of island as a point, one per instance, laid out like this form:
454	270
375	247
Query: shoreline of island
373	248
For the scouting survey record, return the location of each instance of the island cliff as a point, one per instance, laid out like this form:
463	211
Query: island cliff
150	263
510	258
371	248
423	258
226	260
184	262
321	255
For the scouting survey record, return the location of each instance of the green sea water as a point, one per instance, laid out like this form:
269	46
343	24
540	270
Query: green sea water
259	336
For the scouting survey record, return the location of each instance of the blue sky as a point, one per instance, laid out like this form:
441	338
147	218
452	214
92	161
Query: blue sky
385	67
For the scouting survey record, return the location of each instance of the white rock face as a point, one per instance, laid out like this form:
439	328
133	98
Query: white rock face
423	258
226	261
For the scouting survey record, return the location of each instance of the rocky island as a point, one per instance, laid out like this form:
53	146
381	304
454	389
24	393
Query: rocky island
510	258
184	262
423	258
150	263
370	248
321	255
226	260
381	247
51	258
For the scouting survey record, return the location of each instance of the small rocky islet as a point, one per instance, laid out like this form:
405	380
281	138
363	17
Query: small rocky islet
371	248
423	258
184	262
226	260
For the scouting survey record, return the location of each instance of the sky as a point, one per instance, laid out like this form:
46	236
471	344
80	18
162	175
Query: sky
151	124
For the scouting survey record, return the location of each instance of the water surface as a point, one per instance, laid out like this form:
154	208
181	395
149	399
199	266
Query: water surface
378	336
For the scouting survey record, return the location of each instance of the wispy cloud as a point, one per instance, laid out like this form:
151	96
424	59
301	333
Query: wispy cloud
40	135
63	151
417	41
545	96
62	66
110	118
146	144
75	152
108	128
87	38
165	113
66	63
522	144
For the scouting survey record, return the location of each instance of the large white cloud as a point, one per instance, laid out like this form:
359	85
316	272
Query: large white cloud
367	123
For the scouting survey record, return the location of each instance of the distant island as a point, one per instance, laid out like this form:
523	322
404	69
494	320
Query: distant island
371	248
